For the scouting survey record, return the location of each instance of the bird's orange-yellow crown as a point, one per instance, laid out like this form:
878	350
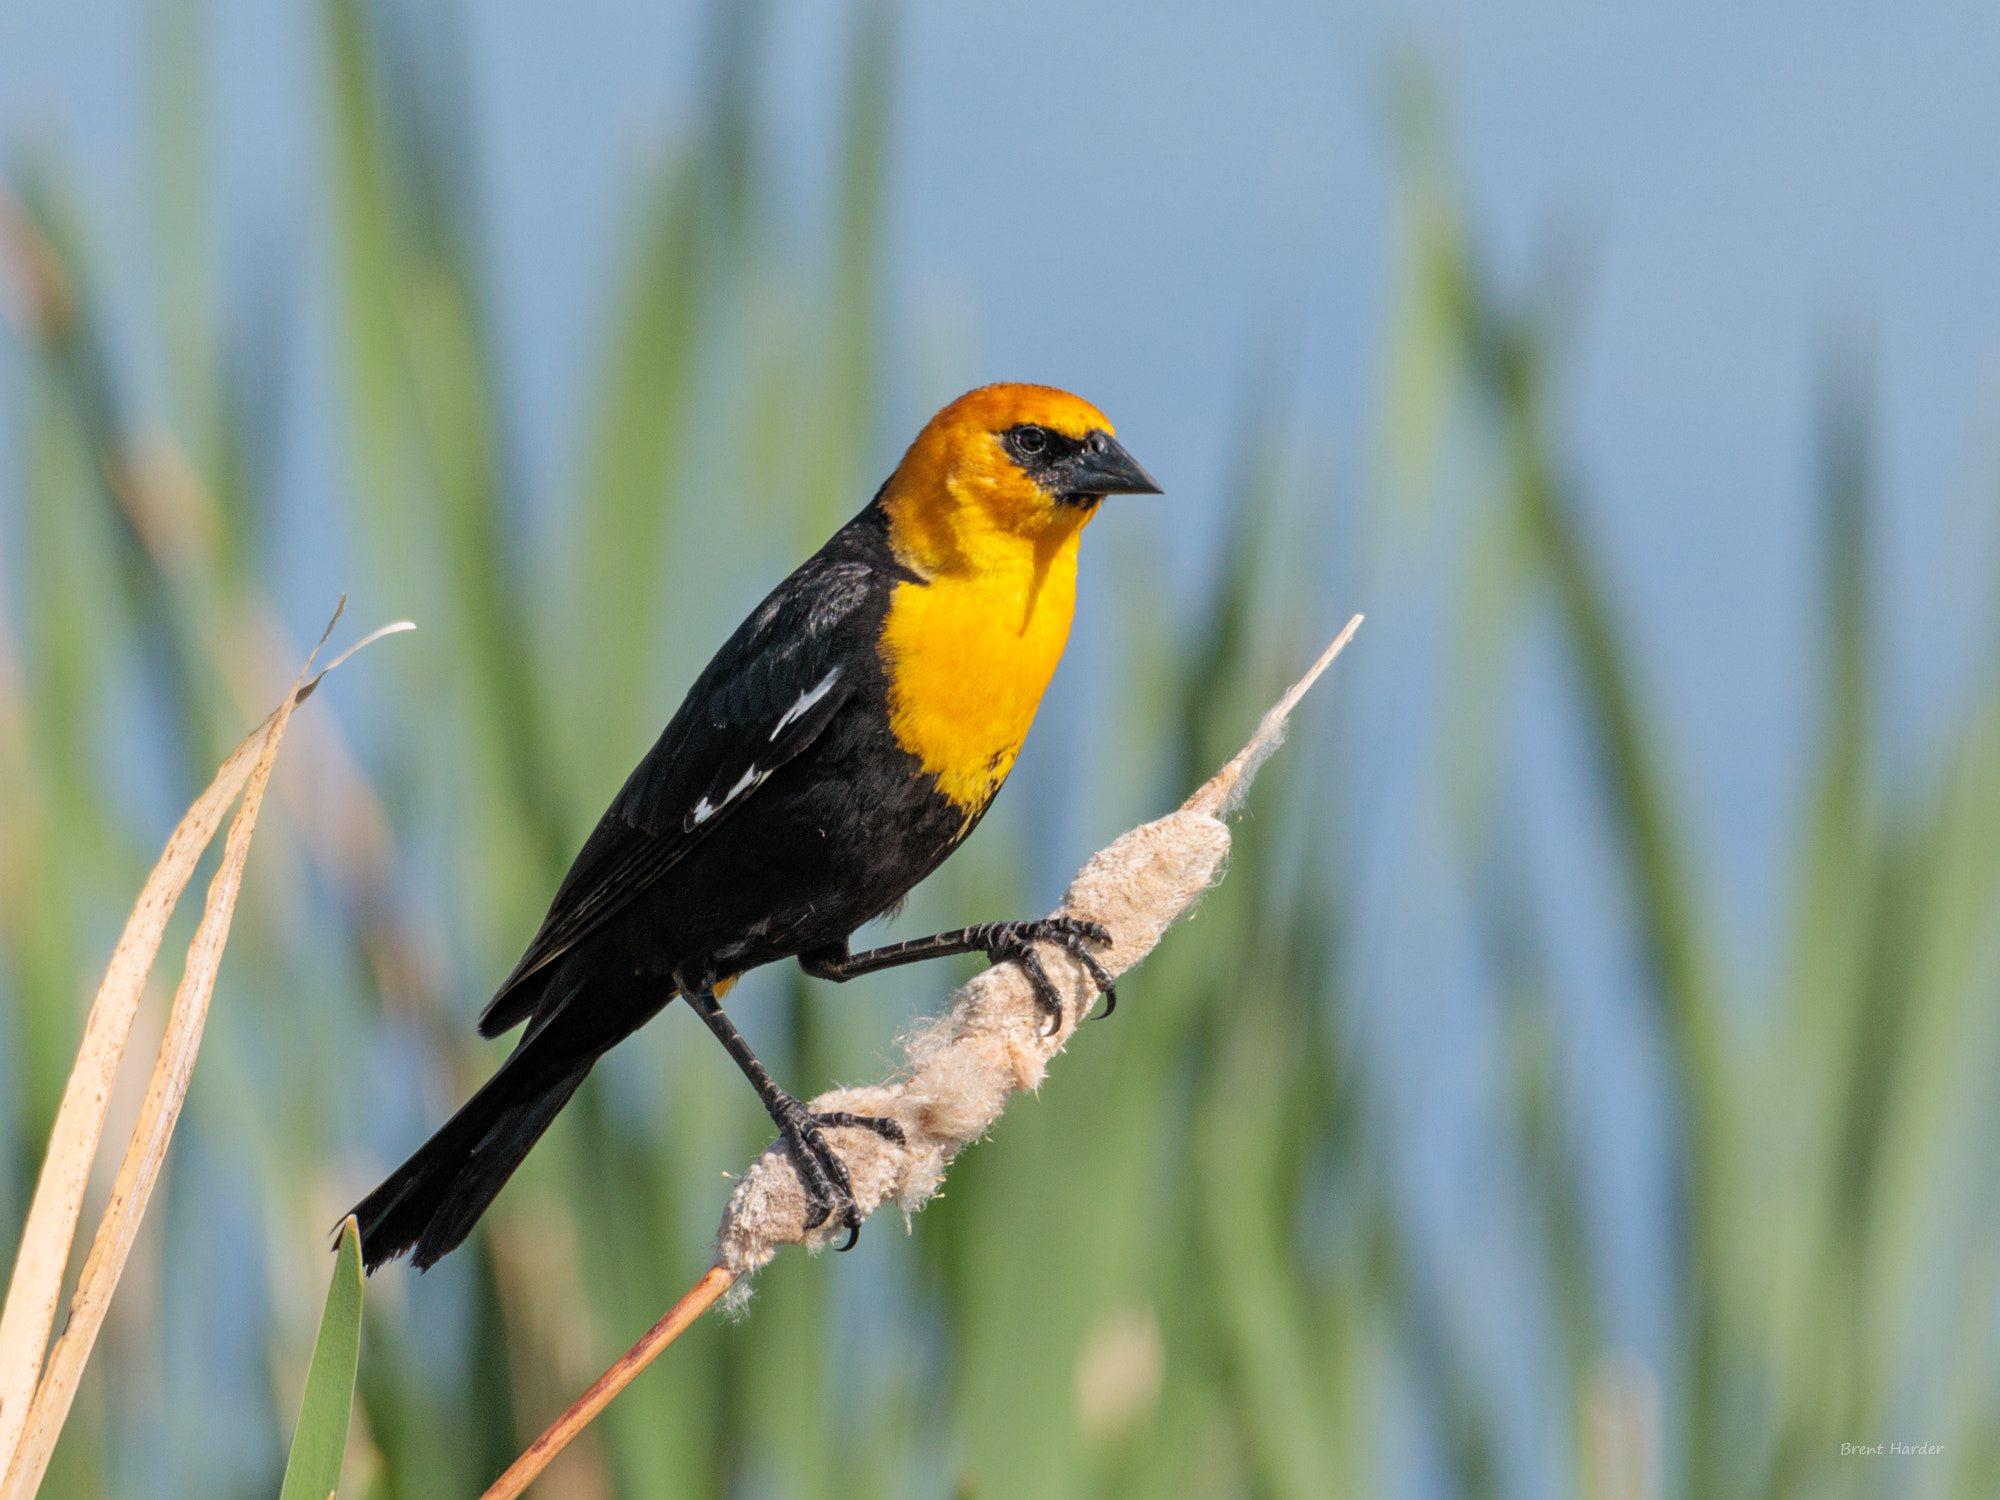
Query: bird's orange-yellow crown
995	408
958	492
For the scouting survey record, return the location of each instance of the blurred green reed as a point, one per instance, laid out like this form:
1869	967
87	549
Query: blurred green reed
1187	1268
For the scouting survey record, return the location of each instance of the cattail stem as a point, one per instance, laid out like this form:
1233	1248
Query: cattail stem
700	1297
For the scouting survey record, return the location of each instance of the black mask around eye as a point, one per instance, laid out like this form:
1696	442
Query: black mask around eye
1076	469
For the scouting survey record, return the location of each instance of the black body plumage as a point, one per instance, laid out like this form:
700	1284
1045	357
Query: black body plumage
780	808
687	875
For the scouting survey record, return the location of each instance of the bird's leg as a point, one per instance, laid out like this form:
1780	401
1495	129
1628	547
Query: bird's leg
999	941
822	1173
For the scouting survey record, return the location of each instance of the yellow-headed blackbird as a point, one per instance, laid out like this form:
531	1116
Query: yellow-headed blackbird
843	741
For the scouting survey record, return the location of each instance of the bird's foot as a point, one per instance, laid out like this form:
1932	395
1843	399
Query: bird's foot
1016	941
822	1173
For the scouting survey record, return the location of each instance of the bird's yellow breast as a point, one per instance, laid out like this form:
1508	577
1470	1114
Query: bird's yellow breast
968	655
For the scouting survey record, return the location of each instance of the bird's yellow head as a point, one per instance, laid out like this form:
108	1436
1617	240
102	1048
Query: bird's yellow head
986	509
1006	469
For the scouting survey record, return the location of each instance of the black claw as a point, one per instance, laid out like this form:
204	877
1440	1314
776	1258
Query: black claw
1099	975
1013	941
1046	993
822	1174
852	1219
811	1159
1073	940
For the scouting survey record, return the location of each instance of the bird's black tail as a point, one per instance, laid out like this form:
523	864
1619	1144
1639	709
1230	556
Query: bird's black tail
430	1203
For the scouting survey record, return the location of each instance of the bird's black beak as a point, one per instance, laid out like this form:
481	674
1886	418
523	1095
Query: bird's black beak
1105	468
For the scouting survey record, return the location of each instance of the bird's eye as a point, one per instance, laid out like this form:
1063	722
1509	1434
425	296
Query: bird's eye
1031	440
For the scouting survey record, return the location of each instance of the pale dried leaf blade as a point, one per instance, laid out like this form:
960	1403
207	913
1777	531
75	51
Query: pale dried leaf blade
30	1426
165	1092
36	1286
394	627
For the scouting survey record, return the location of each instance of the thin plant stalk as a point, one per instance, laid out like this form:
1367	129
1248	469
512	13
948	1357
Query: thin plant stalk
680	1317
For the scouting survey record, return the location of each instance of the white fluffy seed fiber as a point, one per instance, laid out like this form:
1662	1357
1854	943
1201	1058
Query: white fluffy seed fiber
960	1068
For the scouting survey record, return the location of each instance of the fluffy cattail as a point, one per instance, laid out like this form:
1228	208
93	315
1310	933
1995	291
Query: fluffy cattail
960	1068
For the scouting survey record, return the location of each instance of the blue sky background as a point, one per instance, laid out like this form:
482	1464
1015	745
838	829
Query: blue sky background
1120	200
1130	201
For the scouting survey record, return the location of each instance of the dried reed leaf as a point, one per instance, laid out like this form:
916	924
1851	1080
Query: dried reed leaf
28	1427
38	1267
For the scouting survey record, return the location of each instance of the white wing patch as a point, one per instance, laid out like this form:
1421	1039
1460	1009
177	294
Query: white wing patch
749	781
804	706
755	776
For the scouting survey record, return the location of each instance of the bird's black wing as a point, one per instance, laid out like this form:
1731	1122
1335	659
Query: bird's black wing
774	685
